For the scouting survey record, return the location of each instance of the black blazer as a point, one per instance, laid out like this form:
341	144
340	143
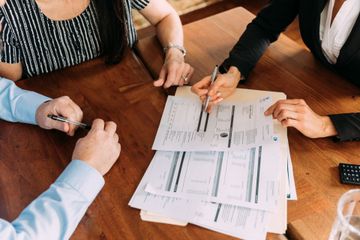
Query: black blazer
272	20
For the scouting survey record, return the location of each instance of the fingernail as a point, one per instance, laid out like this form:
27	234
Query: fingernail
219	100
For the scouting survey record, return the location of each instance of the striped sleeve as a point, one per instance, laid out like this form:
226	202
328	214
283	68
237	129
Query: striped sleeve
139	4
9	46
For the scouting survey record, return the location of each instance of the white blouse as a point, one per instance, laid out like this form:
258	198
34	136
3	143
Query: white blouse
333	36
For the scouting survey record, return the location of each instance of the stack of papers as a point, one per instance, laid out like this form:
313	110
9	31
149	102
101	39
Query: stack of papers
229	171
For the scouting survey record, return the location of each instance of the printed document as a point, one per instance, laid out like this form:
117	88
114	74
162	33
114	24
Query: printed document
247	178
244	223
230	126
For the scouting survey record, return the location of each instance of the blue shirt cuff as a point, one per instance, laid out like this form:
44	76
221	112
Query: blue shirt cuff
27	105
83	178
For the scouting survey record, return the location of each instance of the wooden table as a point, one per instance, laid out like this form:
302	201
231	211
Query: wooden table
288	68
32	158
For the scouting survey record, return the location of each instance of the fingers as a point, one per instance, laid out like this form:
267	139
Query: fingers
161	80
116	138
65	107
61	126
98	124
186	74
189	74
213	103
215	88
286	114
290	113
174	72
110	127
171	77
295	105
179	79
290	123
281	107
285	109
201	87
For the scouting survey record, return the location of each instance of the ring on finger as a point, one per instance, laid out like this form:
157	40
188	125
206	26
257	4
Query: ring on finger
185	78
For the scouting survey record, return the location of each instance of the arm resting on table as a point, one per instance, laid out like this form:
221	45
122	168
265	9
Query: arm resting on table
17	105
56	213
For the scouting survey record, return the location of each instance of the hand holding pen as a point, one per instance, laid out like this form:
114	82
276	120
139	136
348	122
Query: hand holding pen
62	106
212	79
65	120
223	86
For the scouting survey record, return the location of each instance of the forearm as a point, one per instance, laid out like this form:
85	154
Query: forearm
56	213
248	50
169	30
17	105
263	30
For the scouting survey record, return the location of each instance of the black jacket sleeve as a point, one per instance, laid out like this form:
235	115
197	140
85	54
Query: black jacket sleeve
347	126
264	29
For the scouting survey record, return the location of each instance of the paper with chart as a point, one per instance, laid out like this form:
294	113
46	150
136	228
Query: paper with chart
245	178
237	125
239	222
291	191
244	223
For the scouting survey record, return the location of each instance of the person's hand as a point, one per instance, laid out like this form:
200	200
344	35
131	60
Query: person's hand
174	71
296	113
100	148
223	87
62	106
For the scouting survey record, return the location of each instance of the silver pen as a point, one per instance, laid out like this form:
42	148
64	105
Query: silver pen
62	119
213	77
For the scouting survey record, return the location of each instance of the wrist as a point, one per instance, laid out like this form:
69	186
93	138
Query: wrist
235	74
328	127
174	53
39	114
95	166
175	48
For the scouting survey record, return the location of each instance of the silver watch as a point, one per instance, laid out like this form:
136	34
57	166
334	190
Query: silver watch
180	48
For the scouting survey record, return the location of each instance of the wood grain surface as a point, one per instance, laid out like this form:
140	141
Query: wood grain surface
32	158
286	67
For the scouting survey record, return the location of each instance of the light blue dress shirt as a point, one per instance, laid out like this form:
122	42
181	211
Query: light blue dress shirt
55	213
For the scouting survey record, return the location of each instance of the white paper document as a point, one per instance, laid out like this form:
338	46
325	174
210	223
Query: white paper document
232	125
239	222
247	178
177	208
291	191
229	171
244	223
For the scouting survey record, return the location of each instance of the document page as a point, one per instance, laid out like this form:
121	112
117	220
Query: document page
177	208
232	125
291	191
247	178
244	223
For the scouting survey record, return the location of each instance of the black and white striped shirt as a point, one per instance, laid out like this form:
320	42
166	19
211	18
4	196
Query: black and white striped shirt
43	45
